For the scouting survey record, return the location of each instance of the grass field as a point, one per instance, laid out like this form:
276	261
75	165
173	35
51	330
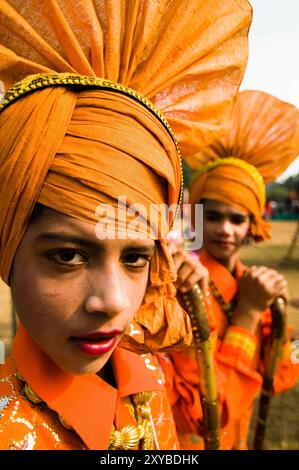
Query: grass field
283	428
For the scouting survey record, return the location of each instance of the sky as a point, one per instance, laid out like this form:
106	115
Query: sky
273	64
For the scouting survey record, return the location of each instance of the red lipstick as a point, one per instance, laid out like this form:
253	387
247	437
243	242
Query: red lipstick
97	343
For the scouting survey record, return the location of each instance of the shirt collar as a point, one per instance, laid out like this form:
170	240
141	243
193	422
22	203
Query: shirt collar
86	402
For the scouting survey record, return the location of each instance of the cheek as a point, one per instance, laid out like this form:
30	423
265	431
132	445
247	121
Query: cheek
242	232
38	298
25	291
208	229
135	292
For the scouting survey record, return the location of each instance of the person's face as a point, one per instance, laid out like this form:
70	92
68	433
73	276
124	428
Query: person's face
224	230
75	294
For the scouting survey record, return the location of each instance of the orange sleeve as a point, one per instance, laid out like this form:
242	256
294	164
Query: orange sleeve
237	382
288	371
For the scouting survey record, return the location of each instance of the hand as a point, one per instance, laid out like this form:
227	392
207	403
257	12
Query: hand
257	289
189	269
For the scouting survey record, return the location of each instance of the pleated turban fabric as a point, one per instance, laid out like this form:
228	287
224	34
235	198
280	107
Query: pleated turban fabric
74	147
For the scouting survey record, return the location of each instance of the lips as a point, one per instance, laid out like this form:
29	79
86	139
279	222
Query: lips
223	243
98	335
97	343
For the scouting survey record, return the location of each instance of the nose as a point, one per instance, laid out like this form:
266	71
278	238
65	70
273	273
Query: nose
107	292
224	228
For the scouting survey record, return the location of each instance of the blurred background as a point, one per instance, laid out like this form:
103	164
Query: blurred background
273	67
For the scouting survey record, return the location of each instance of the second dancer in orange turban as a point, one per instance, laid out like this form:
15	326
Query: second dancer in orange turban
229	179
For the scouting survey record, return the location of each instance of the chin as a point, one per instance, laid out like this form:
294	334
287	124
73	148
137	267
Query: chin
84	367
222	259
220	255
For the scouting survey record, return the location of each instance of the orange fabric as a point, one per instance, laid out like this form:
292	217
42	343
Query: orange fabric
238	376
235	187
87	403
264	133
85	149
188	58
71	150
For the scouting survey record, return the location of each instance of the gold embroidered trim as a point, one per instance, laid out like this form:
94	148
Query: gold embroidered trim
7	399
128	437
240	341
227	307
252	170
31	395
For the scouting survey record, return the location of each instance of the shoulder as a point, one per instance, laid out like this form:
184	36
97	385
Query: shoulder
26	424
8	384
9	400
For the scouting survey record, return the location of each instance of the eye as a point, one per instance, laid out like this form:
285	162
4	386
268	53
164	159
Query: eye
238	219
136	260
67	257
212	217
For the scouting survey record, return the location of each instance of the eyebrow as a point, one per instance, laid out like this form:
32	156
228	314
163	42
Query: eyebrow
53	237
140	249
215	212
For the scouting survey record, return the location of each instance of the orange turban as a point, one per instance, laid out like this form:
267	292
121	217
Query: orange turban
261	144
86	148
79	142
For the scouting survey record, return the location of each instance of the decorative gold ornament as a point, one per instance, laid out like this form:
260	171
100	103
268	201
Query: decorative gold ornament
130	437
64	423
34	398
19	376
227	307
143	412
240	341
31	395
125	439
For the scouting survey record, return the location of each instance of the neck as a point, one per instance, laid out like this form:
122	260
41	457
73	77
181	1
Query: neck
230	263
107	374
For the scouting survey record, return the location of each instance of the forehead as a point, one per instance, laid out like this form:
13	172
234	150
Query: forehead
225	209
51	223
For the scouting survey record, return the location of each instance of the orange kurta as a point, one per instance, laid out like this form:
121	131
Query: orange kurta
87	403
238	376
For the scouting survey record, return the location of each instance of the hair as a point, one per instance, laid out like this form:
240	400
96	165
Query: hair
36	213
